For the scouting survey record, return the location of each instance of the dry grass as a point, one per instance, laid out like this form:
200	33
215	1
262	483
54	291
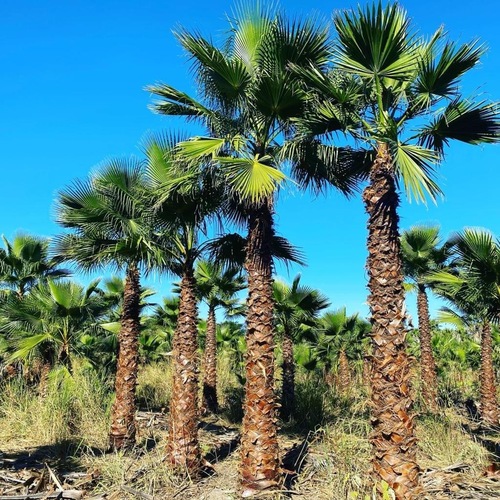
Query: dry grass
74	409
154	385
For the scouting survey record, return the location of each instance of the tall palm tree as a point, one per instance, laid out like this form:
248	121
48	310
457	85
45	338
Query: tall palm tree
249	101
475	290
294	306
217	287
112	225
421	255
25	261
403	95
184	207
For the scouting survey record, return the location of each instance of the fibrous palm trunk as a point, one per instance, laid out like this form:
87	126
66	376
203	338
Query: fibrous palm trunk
393	437
427	363
259	445
489	406
210	402
183	447
344	373
288	389
122	433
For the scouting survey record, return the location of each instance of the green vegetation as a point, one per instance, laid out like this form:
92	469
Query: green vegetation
98	375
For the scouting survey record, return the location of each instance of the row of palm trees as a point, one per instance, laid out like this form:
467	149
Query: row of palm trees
465	271
274	98
273	95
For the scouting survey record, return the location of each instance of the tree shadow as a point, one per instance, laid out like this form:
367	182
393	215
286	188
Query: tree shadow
62	455
294	461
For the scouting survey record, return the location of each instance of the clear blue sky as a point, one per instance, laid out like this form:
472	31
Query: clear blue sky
72	75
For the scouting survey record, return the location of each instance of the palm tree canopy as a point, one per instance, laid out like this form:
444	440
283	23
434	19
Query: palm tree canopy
54	314
421	252
251	99
393	77
296	304
111	220
218	286
475	285
25	261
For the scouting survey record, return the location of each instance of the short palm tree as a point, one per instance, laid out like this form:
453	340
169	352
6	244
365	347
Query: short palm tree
25	261
111	224
403	95
249	101
422	255
49	322
341	339
474	289
294	306
217	287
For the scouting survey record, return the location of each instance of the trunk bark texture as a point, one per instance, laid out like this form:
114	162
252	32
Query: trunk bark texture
489	404
210	402
122	434
288	394
427	362
259	444
183	446
393	437
344	373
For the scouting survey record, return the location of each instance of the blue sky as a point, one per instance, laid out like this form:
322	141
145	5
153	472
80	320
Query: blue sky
71	95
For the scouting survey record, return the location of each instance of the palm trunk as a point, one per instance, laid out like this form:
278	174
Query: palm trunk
344	373
259	444
210	402
393	436
427	363
489	405
122	434
288	394
183	446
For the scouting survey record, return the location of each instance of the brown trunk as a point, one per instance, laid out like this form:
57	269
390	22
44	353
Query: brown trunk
427	363
183	447
122	433
44	379
367	373
210	402
393	436
489	404
259	444
288	394
344	373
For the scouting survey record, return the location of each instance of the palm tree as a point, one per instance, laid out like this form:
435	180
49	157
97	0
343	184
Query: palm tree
405	105
475	290
341	339
250	99
217	287
48	322
112	225
25	262
184	207
422	255
294	306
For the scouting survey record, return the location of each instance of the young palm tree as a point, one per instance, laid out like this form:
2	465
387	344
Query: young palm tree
25	261
112	225
249	101
404	91
475	290
422	255
341	339
217	287
294	306
48	322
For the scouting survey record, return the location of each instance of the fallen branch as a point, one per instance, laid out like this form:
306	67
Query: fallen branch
58	495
